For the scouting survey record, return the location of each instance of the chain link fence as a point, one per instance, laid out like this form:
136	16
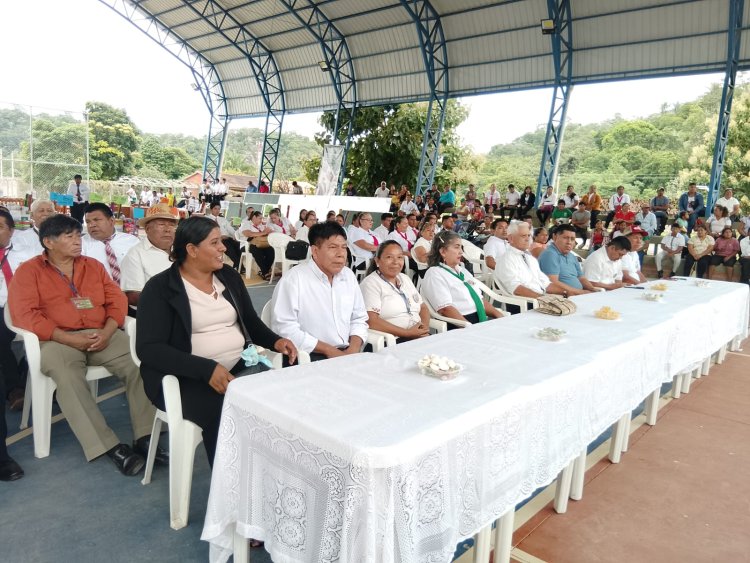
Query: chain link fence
41	150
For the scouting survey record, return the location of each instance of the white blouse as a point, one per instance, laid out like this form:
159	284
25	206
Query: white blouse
397	305
441	289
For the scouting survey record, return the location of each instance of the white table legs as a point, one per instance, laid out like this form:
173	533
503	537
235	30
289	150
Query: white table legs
579	472
622	427
482	545
562	488
652	406
241	551
504	537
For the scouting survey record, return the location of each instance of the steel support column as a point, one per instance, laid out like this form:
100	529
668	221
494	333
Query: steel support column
265	71
562	56
435	55
207	79
340	68
734	35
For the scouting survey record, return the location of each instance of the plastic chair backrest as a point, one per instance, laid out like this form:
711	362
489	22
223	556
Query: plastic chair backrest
472	252
130	326
279	240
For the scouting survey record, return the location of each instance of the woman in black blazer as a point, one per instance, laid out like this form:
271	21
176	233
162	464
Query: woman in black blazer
202	350
528	198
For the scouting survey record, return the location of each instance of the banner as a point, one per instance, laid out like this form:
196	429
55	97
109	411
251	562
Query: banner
330	166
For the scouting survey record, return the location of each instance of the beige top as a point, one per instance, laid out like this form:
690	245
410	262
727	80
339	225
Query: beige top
216	332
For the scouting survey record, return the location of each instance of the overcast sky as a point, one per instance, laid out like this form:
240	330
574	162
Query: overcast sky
61	53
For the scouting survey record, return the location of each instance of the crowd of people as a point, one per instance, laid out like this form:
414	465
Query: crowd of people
195	319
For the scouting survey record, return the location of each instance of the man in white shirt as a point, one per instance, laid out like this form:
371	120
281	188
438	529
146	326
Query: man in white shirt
385	226
151	255
603	268
616	201
511	202
731	203
103	243
408	206
670	252
27	242
492	197
647	219
80	193
497	244
363	242
318	304
745	260
145	197
517	272
382	191
412	231
631	262
227	234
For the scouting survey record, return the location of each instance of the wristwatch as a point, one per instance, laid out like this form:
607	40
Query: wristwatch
565	293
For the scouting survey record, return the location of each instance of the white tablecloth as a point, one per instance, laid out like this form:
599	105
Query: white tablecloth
362	458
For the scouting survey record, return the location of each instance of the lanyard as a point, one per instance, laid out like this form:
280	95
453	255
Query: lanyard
481	313
5	257
398	290
70	283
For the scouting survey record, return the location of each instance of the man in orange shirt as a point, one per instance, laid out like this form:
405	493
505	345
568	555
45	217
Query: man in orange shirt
593	202
73	306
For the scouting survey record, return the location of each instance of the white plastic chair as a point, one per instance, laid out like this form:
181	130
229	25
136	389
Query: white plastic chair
40	388
279	242
246	258
475	256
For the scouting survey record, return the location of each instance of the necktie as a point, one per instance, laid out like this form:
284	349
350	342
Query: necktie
114	267
78	192
7	273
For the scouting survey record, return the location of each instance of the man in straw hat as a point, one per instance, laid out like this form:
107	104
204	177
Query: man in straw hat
151	255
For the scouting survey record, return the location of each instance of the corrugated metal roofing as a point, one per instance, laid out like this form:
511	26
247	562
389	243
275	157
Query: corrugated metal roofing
492	45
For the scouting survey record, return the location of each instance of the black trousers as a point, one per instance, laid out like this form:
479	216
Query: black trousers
543	215
8	362
745	270
77	211
511	210
608	220
3	425
594	218
701	269
263	256
232	250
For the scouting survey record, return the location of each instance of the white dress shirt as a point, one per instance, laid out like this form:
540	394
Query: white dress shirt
15	259
745	247
715	226
382	192
421	243
570	202
27	244
648	222
408	207
226	229
245	226
121	244
495	247
441	289
142	262
617	201
600	269
307	308
517	268
381	232
673	243
360	254
401	238
303	233
548	200
492	198
728	203
83	188
390	302
512	198
631	263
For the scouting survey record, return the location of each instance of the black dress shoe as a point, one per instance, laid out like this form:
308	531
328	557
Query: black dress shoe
127	461
10	470
141	446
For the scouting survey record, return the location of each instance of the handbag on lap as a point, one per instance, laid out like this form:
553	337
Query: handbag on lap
296	250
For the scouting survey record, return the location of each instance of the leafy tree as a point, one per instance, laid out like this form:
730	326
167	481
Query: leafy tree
114	140
63	142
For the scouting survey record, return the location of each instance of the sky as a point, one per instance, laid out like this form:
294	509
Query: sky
60	54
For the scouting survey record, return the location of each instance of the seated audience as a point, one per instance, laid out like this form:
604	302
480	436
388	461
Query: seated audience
625	215
421	248
256	234
526	203
341	220
103	243
249	210
301	220
561	214
603	268
280	224
392	302
195	320
660	206
580	221
496	245
599	236
718	221
539	241
648	221
571	198
731	203
385	226
560	264
726	249
363	242
449	288
700	246
408	206
412	231
27	242
151	255
75	308
546	205
304	229
512	199
669	255
399	233
11	257
318	304
631	262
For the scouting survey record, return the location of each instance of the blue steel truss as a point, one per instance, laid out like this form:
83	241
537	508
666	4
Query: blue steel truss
562	56
435	55
265	71
207	78
725	110
339	62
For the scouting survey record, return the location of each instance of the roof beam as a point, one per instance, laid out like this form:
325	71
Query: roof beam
263	66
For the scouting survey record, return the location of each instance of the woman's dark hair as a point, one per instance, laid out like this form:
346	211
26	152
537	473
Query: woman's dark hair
255	214
98	206
724	230
214	204
538	231
323	231
58	225
189	231
8	219
330	215
441	240
723	211
302	214
379	253
395	222
275	211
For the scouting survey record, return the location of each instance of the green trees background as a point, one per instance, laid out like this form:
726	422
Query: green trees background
669	149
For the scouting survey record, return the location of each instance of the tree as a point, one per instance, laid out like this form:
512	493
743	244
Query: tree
59	142
387	143
114	140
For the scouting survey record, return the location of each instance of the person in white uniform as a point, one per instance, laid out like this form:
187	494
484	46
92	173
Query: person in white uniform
631	262
497	244
670	252
603	268
103	243
27	242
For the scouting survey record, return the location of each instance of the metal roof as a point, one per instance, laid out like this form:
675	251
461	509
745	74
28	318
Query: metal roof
492	45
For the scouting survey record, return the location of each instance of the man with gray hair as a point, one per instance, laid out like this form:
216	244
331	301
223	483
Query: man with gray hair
517	272
27	242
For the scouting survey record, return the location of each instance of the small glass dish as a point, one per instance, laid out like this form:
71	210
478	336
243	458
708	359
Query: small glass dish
702	283
549	334
656	297
439	367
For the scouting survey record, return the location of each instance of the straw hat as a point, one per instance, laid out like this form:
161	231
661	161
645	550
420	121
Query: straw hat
158	211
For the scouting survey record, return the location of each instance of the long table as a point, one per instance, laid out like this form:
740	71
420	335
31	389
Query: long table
363	459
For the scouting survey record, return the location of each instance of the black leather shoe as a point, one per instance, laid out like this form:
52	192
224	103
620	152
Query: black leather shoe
140	446
127	461
10	470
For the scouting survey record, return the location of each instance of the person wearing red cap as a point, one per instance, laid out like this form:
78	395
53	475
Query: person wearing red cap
631	262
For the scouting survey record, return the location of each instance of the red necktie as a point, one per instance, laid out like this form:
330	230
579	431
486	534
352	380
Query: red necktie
114	267
7	272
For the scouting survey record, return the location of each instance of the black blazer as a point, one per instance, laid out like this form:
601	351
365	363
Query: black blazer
164	328
527	200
